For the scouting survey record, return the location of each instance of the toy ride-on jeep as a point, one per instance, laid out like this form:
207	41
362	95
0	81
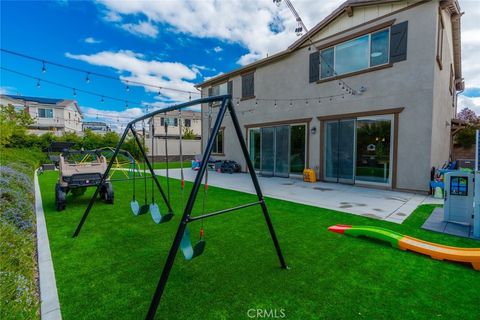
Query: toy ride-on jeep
79	170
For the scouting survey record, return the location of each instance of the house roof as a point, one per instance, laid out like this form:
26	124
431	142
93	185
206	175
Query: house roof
33	99
46	101
347	6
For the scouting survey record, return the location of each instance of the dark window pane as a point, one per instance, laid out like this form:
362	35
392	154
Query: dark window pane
188	123
379	48
326	63
248	86
297	149
255	147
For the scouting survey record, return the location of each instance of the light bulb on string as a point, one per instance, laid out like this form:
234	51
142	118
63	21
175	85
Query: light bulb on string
87	79
44	69
102	100
38	83
74	92
127	87
306	101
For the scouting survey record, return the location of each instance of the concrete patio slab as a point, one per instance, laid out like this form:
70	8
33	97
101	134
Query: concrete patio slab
387	205
435	223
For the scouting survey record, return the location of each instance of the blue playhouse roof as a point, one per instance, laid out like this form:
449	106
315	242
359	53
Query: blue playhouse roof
35	99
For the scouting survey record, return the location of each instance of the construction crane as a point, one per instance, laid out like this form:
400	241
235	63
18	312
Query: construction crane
301	26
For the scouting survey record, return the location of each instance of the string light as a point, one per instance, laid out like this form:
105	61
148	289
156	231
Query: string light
106	76
127	88
87	79
102	100
74	92
38	83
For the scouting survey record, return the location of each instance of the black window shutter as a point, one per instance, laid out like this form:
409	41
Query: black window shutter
229	87
314	69
248	85
398	42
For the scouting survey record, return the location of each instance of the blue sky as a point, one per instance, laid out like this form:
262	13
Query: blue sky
170	43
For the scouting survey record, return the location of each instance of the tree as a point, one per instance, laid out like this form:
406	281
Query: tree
92	140
188	134
13	125
468	115
110	139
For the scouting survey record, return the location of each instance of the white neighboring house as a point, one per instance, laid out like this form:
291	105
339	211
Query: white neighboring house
49	115
97	127
191	120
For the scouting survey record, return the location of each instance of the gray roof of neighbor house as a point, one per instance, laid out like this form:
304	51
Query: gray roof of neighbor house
347	6
42	100
34	99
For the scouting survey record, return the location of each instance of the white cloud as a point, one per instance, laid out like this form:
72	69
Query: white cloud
142	28
469	102
7	90
92	40
229	20
218	49
134	67
111	16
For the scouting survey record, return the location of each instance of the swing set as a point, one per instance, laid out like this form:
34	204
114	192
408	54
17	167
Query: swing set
182	237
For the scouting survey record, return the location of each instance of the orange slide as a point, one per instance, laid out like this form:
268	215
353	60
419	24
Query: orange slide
434	250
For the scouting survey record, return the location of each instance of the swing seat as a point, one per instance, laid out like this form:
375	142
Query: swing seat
188	251
157	216
135	207
143	209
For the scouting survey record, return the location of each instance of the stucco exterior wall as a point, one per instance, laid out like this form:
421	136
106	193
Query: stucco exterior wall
407	84
443	99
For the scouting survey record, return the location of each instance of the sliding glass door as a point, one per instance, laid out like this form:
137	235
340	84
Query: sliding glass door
254	146
374	149
339	150
359	150
267	153
282	152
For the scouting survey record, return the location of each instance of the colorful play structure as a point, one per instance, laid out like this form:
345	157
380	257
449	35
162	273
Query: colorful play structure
402	242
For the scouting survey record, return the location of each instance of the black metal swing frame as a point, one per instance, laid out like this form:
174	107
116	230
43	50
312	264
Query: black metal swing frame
226	104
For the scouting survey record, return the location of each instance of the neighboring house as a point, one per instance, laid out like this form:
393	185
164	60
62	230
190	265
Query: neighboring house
403	60
97	127
191	121
49	115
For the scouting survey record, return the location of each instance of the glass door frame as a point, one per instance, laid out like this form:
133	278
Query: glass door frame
338	179
306	144
391	117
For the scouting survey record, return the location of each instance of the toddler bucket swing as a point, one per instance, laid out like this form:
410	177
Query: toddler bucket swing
154	208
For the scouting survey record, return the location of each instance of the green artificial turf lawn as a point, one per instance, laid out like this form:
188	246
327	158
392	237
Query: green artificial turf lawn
111	270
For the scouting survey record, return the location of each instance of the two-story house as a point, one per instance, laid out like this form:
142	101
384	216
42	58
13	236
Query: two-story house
49	115
366	97
191	121
167	133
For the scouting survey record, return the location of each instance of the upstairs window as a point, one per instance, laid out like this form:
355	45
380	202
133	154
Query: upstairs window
248	86
45	113
221	89
361	53
188	123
